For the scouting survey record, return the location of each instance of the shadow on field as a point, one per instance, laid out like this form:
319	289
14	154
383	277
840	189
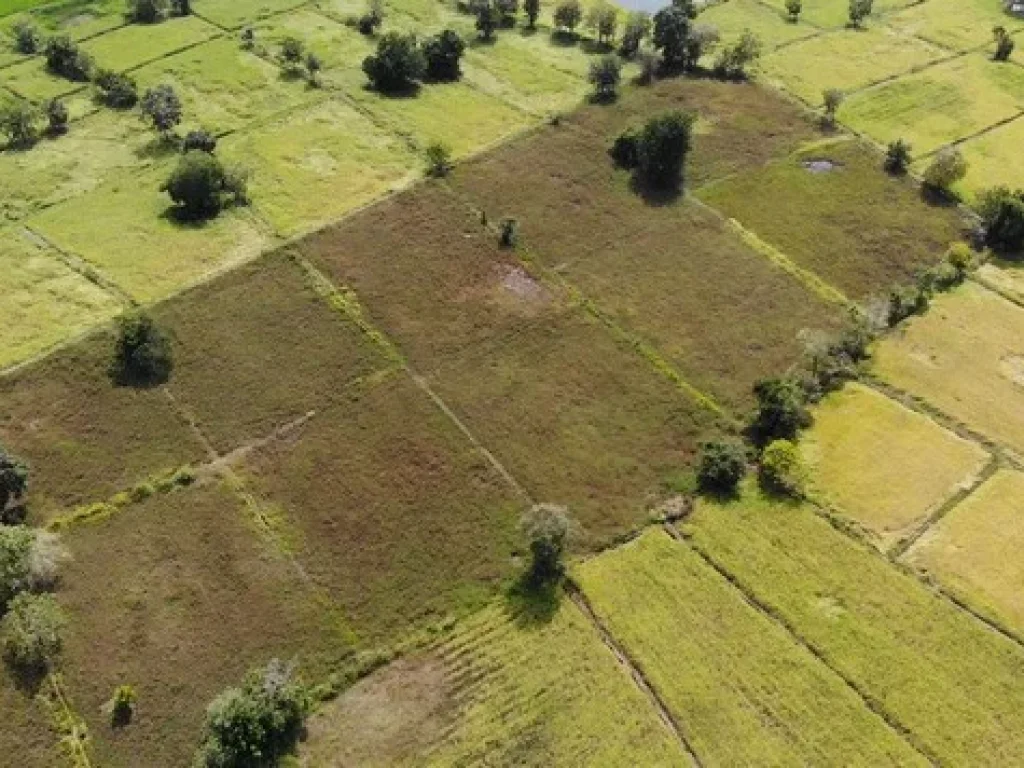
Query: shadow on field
532	605
655	195
410	91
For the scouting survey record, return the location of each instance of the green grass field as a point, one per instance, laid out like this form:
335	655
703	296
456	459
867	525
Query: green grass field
734	17
30	80
836	13
233	14
945	677
957	24
884	465
27	731
972	550
964	358
741	689
993	159
80	19
43	300
138	44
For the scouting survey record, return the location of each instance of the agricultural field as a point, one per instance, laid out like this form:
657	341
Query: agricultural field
883	465
835	13
971	551
958	24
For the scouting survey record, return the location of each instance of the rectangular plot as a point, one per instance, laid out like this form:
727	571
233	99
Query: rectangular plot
578	418
338	47
78	19
30	80
952	682
836	13
855	58
446	284
993	158
975	549
963	357
852	224
885	465
233	14
43	301
142	247
959	24
314	165
136	44
772	26
940	104
257	348
383	495
178	597
83	437
742	691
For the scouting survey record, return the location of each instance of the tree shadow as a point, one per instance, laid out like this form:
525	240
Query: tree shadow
405	91
28	680
157	148
938	198
483	42
656	195
533	604
564	38
592	47
603	99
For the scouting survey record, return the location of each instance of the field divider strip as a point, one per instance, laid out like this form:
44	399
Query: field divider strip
640	680
869	701
991	286
219	34
68	725
976	135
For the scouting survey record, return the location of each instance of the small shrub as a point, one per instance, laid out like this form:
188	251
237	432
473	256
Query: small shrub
18	124
506	11
122	705
443	52
371	20
13	480
546	527
142	353
313	67
398	64
116	90
948	167
247	37
56	117
162	107
291	53
906	301
200	141
781	410
26	38
605	74
488	17
637	29
31	631
181	7
509	232
723	463
532	10
603	20
568	15
860	10
897	157
1004	44
625	150
833	98
793	10
662	148
65	59
960	257
1002	216
733	61
439	159
147	11
782	470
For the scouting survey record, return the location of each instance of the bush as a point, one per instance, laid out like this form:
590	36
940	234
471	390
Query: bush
163	108
625	150
532	10
897	157
397	65
723	463
313	67
948	167
65	59
291	53
439	159
649	64
509	232
781	410
488	17
832	360
1002	216
568	15
793	9
122	706
13	479
146	11
638	29
832	98
26	38
547	530
860	10
257	724
603	20
1004	44
56	117
733	60
662	149
30	559
181	7
248	38
443	53
506	11
142	353
605	74
116	90
906	301
782	469
200	141
31	631
371	21
18	124
672	30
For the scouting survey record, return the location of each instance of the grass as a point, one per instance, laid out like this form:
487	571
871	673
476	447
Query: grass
578	418
383	495
945	677
939	105
958	24
233	14
30	80
26	732
993	159
882	464
964	358
742	691
43	301
972	550
178	597
1003	276
7	7
137	44
446	285
83	437
836	13
855	226
224	88
734	17
257	349
314	165
142	247
79	19
338	47
856	58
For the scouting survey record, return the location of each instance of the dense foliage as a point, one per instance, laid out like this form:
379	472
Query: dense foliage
443	52
722	465
547	530
31	631
142	353
781	409
397	65
1002	215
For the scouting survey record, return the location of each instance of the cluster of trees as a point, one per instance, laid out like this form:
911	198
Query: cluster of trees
401	62
152	11
657	152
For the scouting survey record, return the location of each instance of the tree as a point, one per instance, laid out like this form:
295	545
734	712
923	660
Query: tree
672	27
782	469
532	10
147	11
734	60
509	232
31	631
859	10
488	17
370	21
948	167
603	20
702	40
662	149
1002	215
568	15
547	530
439	159
605	74
56	117
30	559
256	724
116	89
781	410
181	7
26	38
1004	44
65	59
397	65
291	54
897	157
443	53
122	706
625	149
142	353
200	140
637	29
163	108
722	465
13	481
313	67
18	123
793	9
833	99
690	7
507	10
